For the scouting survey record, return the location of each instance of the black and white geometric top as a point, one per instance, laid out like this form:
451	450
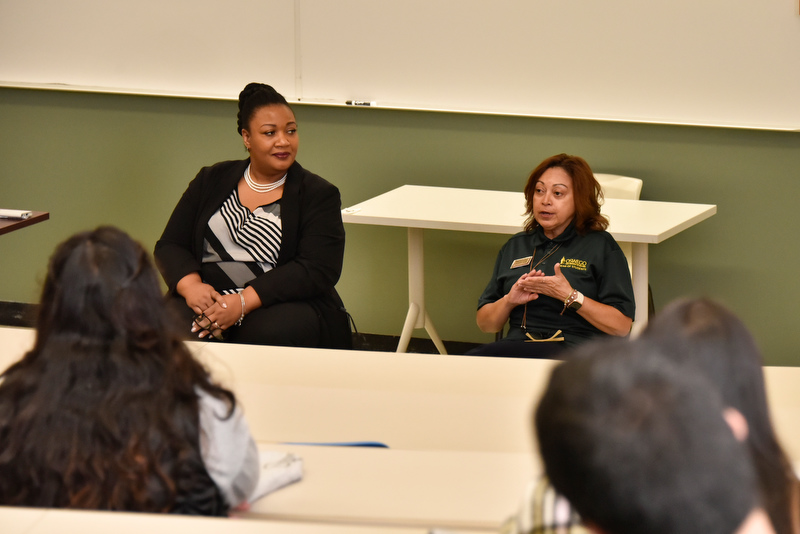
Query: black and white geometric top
239	245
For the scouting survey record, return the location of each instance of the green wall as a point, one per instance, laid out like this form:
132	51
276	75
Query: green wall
93	159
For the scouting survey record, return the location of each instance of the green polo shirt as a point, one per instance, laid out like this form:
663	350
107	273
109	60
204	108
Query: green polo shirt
593	264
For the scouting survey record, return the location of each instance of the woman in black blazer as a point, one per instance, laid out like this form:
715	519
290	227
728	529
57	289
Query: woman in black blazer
254	248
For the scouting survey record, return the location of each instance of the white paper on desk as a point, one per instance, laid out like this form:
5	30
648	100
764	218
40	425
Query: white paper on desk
278	469
14	214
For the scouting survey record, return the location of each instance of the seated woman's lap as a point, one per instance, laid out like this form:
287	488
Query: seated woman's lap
294	324
519	349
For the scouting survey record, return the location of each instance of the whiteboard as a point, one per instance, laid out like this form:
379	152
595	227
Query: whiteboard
202	48
696	62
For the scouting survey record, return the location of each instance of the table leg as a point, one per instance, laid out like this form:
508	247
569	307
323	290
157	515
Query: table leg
640	285
408	327
417	317
437	341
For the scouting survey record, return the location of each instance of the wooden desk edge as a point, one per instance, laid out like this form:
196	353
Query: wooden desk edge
9	225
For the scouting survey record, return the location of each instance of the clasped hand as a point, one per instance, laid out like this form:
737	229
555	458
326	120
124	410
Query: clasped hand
215	312
531	285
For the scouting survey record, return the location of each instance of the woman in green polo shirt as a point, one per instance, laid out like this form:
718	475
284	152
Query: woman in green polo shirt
564	279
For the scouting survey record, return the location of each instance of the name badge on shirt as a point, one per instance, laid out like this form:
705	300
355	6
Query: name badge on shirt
521	262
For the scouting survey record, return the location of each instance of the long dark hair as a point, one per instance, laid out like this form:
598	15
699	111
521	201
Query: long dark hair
102	413
705	334
587	193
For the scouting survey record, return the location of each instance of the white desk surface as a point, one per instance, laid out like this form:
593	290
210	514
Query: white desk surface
501	212
408	401
47	521
453	490
442	470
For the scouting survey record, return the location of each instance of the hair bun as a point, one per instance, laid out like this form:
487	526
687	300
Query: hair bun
253	96
254	88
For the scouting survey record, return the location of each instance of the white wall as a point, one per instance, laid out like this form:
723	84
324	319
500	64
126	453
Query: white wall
711	62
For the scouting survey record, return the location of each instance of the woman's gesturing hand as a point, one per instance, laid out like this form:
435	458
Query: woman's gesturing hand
556	286
522	293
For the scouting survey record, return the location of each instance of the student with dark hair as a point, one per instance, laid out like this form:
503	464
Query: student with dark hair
109	410
638	444
711	341
710	337
254	247
563	280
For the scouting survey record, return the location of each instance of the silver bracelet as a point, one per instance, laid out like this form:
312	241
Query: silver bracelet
241	317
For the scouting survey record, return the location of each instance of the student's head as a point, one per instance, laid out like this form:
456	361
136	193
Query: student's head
102	413
585	191
100	287
636	444
703	333
706	335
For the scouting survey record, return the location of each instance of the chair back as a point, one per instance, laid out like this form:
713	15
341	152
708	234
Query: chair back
615	186
624	187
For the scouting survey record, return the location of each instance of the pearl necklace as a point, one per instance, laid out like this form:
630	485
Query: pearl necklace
259	188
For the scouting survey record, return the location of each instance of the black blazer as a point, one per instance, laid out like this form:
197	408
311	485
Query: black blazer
312	245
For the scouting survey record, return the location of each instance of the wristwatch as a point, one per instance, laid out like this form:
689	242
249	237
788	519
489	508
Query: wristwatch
577	302
574	301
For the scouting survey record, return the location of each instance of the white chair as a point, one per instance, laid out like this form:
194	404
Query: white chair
615	186
623	187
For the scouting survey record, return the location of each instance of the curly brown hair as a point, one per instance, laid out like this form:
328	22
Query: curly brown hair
103	412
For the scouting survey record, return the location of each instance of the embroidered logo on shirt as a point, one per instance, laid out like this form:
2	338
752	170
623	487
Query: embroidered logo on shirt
521	262
578	265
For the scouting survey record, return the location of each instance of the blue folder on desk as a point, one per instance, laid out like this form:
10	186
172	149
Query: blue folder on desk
377	444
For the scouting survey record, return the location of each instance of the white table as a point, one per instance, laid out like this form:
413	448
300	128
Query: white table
416	207
423	402
17	520
453	490
459	431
